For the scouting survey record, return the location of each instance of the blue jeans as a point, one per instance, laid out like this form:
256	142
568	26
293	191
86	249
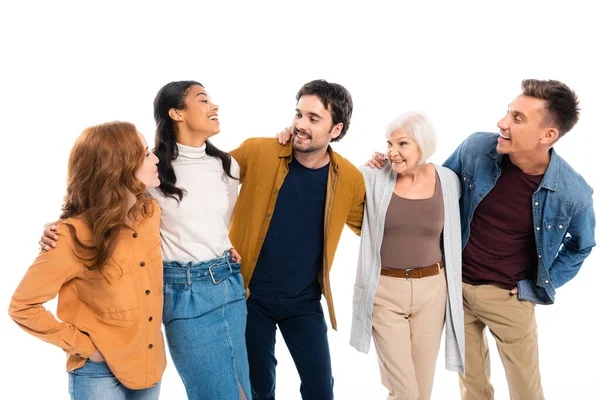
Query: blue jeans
205	321
95	381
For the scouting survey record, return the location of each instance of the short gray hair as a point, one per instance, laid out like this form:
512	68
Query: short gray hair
418	127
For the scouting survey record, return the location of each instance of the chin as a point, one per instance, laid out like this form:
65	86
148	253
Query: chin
399	169
299	148
501	150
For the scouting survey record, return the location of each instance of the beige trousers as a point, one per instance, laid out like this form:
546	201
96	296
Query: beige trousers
512	324
408	318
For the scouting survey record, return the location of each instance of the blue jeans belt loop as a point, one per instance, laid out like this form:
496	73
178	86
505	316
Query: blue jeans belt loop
188	277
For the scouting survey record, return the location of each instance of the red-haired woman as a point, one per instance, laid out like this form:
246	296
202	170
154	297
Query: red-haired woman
106	270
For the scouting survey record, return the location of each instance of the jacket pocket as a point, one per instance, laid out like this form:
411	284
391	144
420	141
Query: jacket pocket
468	182
113	294
359	300
555	229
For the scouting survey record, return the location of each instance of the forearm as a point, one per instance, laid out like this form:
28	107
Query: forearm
39	322
566	265
49	273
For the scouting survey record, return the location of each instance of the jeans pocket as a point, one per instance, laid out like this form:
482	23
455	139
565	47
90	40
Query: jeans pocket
93	369
525	303
95	362
238	285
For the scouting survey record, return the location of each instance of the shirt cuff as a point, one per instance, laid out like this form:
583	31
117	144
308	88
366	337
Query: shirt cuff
84	347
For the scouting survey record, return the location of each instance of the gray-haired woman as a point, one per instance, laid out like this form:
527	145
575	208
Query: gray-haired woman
408	281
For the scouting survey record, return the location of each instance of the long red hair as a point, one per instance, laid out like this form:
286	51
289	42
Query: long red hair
101	180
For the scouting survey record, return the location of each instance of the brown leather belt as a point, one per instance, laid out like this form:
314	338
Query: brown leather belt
413	273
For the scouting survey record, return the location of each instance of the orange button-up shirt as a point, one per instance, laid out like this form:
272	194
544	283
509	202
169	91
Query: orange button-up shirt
119	313
264	164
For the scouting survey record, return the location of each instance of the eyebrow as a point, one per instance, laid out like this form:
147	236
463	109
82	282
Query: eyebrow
201	94
312	114
517	113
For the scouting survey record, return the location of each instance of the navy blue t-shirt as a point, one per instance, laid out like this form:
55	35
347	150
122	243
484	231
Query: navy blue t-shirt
292	254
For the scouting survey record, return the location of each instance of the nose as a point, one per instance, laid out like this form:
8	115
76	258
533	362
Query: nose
215	107
156	160
301	124
502	123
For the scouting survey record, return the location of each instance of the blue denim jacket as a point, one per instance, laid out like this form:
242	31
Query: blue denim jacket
563	212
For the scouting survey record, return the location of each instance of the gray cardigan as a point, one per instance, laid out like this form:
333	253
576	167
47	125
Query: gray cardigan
380	187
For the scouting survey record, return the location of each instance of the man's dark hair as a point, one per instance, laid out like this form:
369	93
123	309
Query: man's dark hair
335	98
562	105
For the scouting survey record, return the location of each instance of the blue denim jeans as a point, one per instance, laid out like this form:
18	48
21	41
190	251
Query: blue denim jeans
205	321
95	381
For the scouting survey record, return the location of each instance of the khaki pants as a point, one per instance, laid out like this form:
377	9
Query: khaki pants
408	318
512	323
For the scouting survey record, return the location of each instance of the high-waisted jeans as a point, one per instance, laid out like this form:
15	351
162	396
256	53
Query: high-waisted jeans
94	380
205	322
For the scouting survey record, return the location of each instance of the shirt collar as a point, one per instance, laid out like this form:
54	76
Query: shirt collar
550	179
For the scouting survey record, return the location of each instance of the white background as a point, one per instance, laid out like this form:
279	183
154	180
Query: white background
65	66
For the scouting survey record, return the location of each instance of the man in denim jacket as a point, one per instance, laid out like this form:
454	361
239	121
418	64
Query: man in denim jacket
527	225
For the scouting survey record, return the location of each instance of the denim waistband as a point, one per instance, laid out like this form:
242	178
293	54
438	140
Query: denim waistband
215	270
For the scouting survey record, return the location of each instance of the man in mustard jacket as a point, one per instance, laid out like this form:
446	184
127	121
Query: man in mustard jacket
294	202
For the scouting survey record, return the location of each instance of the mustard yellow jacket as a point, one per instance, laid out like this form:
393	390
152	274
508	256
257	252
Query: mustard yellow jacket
264	164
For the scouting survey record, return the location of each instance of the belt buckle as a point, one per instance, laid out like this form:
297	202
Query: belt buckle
212	276
406	273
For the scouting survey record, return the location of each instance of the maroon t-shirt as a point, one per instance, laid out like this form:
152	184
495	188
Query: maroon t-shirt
501	248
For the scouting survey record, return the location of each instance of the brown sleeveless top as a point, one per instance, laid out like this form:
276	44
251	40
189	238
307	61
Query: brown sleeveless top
412	233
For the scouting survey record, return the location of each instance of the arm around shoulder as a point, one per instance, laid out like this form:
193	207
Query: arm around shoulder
452	179
355	216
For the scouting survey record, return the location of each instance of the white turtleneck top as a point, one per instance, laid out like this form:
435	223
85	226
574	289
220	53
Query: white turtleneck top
196	228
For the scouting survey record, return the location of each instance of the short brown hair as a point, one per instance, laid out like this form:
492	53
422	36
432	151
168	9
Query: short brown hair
562	104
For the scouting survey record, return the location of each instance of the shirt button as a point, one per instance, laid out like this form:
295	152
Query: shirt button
464	179
549	227
147	292
560	227
150	319
471	186
142	264
135	235
150	346
539	256
275	191
78	355
537	204
538	228
268	214
546	282
254	259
